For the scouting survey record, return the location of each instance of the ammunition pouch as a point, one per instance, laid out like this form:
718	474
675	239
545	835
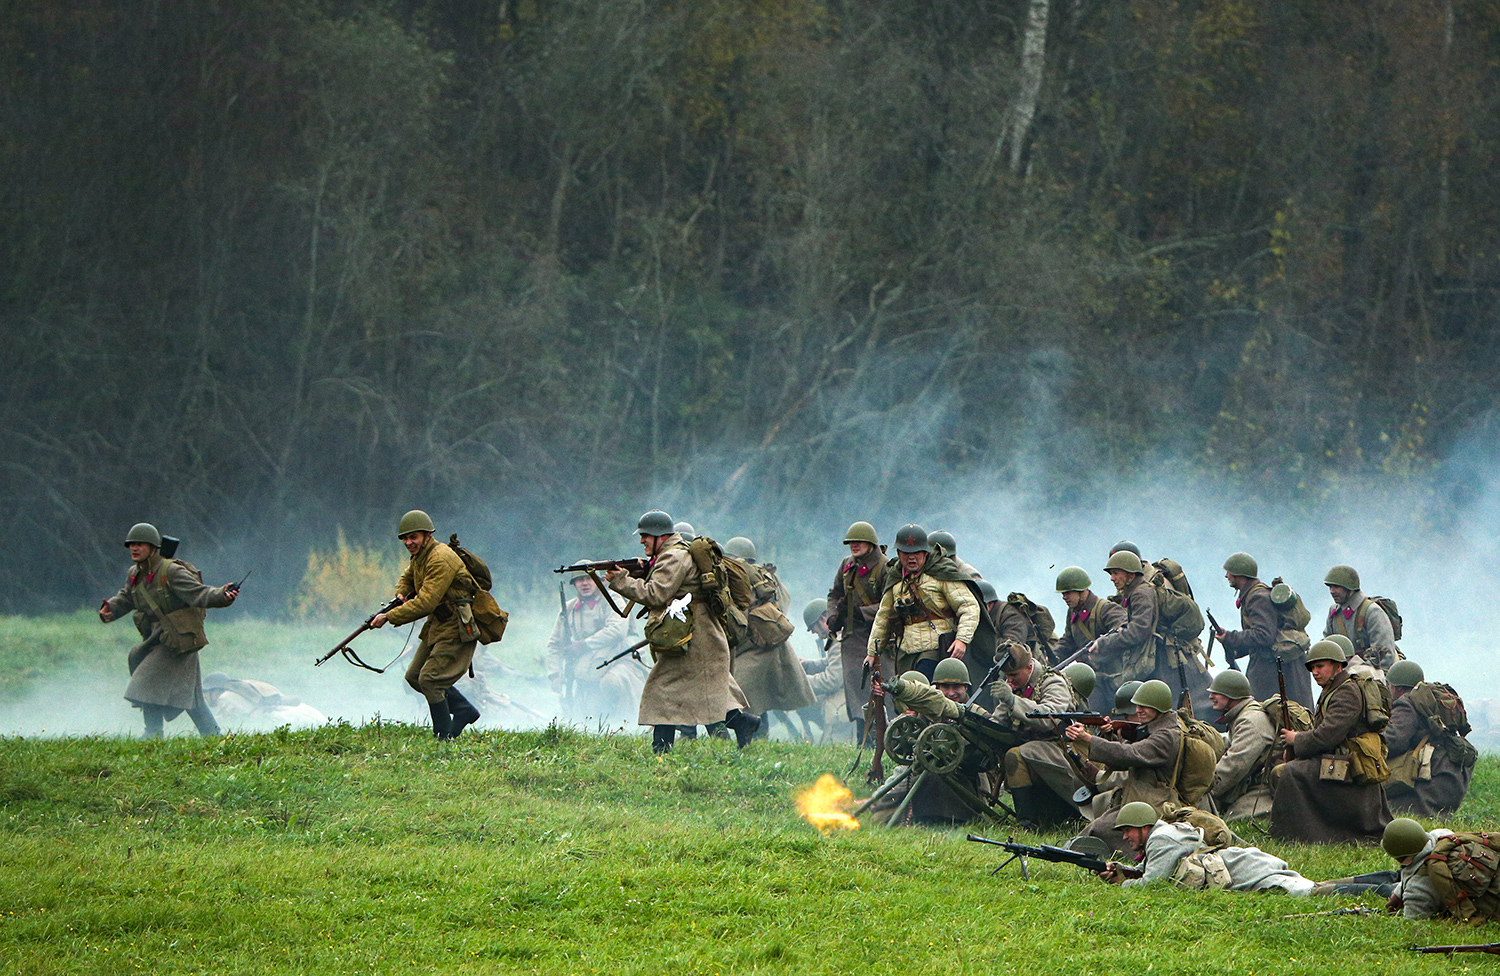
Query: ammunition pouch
1367	755
1413	767
467	629
769	627
182	630
1202	871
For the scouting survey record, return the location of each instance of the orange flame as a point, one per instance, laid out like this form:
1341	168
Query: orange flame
825	805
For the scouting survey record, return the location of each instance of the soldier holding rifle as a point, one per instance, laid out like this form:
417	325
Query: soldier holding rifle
588	632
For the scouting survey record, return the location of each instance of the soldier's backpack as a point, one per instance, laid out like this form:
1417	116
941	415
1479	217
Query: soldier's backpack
1465	870
1172	570
1202	745
767	622
1043	627
1385	603
725	587
1177	614
1292	618
1445	714
489	619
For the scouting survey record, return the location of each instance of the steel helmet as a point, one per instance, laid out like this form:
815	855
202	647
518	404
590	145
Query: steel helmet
950	670
1326	650
1073	579
987	591
861	532
1230	684
415	520
1123	696
1405	674
1082	678
1128	561
1136	814
814	610
1404	837
1241	564
740	548
657	523
1124	545
1344	576
1153	694
912	538
686	530
944	539
143	532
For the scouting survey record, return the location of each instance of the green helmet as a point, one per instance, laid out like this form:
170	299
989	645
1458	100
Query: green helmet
1405	674
657	523
1126	560
1123	694
1241	564
1230	684
143	532
915	676
1082	678
580	574
813	611
950	670
686	530
1326	650
987	591
1344	576
415	520
1136	814
740	548
944	539
912	538
1153	694
1073	578
1125	545
861	532
1404	837
1283	597
1345	644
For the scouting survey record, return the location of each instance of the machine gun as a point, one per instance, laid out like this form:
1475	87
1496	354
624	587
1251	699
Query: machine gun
343	646
1057	855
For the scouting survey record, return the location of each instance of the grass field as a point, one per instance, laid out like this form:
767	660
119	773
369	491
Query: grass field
370	848
377	850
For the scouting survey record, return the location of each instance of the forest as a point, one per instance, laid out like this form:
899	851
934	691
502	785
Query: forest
273	268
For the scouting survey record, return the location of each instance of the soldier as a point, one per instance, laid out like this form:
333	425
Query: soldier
944	544
1088	617
685	530
989	598
933	611
1361	619
1152	762
436	585
1258	625
1442	874
853	602
1036	768
1177	852
764	664
1179	626
1242	777
168	599
1330	791
824	675
586	633
1129	652
257	702
934	802
1431	760
690	682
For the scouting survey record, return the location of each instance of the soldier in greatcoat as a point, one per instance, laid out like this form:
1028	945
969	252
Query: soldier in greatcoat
690	684
853	602
437	585
1088	617
167	599
767	669
1431	758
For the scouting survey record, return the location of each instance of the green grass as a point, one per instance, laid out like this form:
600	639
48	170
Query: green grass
377	850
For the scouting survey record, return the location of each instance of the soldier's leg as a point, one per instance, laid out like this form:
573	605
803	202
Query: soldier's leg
691	731
155	721
662	737
926	666
203	720
743	724
461	711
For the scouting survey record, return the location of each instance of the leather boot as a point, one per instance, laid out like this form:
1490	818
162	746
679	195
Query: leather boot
462	712
859	731
717	730
744	725
441	720
154	722
203	719
662	737
688	731
1023	801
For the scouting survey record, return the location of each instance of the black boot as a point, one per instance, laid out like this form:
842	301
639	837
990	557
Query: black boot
441	721
717	730
662	737
859	731
744	725
1023	801
462	712
688	731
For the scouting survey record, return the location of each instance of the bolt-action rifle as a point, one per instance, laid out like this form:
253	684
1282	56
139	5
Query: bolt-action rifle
1129	729
876	711
1084	649
1057	855
1493	948
343	646
1286	712
1214	628
634	650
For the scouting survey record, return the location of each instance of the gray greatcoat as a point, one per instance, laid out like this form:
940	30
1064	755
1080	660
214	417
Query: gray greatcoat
158	675
693	687
1317	811
1153	765
1241	788
771	675
1450	782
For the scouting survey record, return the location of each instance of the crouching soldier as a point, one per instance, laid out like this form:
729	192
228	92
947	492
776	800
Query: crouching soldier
1431	761
168	599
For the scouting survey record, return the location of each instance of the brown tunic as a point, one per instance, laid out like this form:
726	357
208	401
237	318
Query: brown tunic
1317	811
853	601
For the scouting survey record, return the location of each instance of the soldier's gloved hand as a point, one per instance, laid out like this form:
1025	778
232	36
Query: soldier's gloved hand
1003	694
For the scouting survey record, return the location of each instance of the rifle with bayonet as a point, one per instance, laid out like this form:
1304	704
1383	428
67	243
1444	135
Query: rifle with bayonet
1493	948
1213	629
1056	855
634	650
636	567
343	646
1129	729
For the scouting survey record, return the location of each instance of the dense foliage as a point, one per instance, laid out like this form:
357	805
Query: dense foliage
297	263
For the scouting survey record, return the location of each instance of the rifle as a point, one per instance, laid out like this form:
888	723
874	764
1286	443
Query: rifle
1056	855
634	650
1129	729
1184	697
1286	712
1084	649
343	646
1213	628
876	711
636	567
567	622
1356	910
1493	948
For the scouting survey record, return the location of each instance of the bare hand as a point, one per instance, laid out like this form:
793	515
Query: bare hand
1219	634
1288	736
877	690
378	622
613	573
231	592
1077	733
1394	903
871	660
104	615
1111	873
957	650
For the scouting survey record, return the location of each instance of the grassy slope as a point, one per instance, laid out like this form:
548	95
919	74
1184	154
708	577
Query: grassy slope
375	849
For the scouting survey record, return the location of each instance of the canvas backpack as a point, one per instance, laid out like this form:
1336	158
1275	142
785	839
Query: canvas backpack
1385	603
1463	867
1177	615
724	587
1175	577
1292	640
1202	745
1043	626
767	622
489	620
1445	714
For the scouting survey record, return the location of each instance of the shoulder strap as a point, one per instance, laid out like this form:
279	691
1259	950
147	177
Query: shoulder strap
166	621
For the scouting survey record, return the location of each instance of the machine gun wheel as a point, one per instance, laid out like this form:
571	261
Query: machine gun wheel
939	749
901	737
